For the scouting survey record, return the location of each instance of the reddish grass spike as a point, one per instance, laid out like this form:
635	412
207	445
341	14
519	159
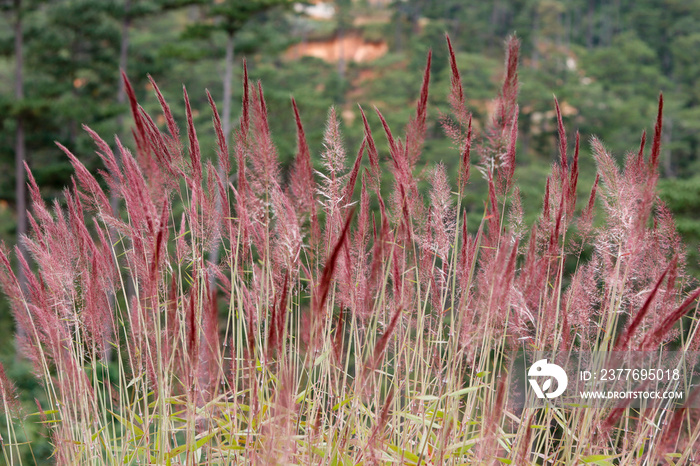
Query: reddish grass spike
573	181
556	232
509	91
378	251
465	244
209	351
371	148
673	427
156	142
303	152
338	338
194	143
466	157
510	268
591	199
282	313
193	329
135	191
170	121
160	240
615	414
352	180
422	107
562	138
8	393
363	220
33	187
272	331
42	413
393	148
510	156
8	277
263	109
545	205
224	162
524	450
245	114
493	216
415	130
491	422
265	166
329	268
240	152
140	130
656	144
406	214
383	416
379	427
250	316
303	184
87	181
148	164
625	337
441	207
670	320
106	155
381	344
402	171
511	81
456	91
640	154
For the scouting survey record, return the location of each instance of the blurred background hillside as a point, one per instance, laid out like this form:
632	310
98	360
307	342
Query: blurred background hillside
605	60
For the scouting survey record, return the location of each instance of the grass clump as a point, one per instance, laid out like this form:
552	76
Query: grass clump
226	317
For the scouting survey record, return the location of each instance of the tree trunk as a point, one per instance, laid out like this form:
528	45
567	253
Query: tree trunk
535	39
666	138
341	54
121	92
591	24
228	80
20	152
496	16
121	99
20	155
226	128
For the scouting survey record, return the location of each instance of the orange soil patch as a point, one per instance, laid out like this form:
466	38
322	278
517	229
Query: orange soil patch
352	47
